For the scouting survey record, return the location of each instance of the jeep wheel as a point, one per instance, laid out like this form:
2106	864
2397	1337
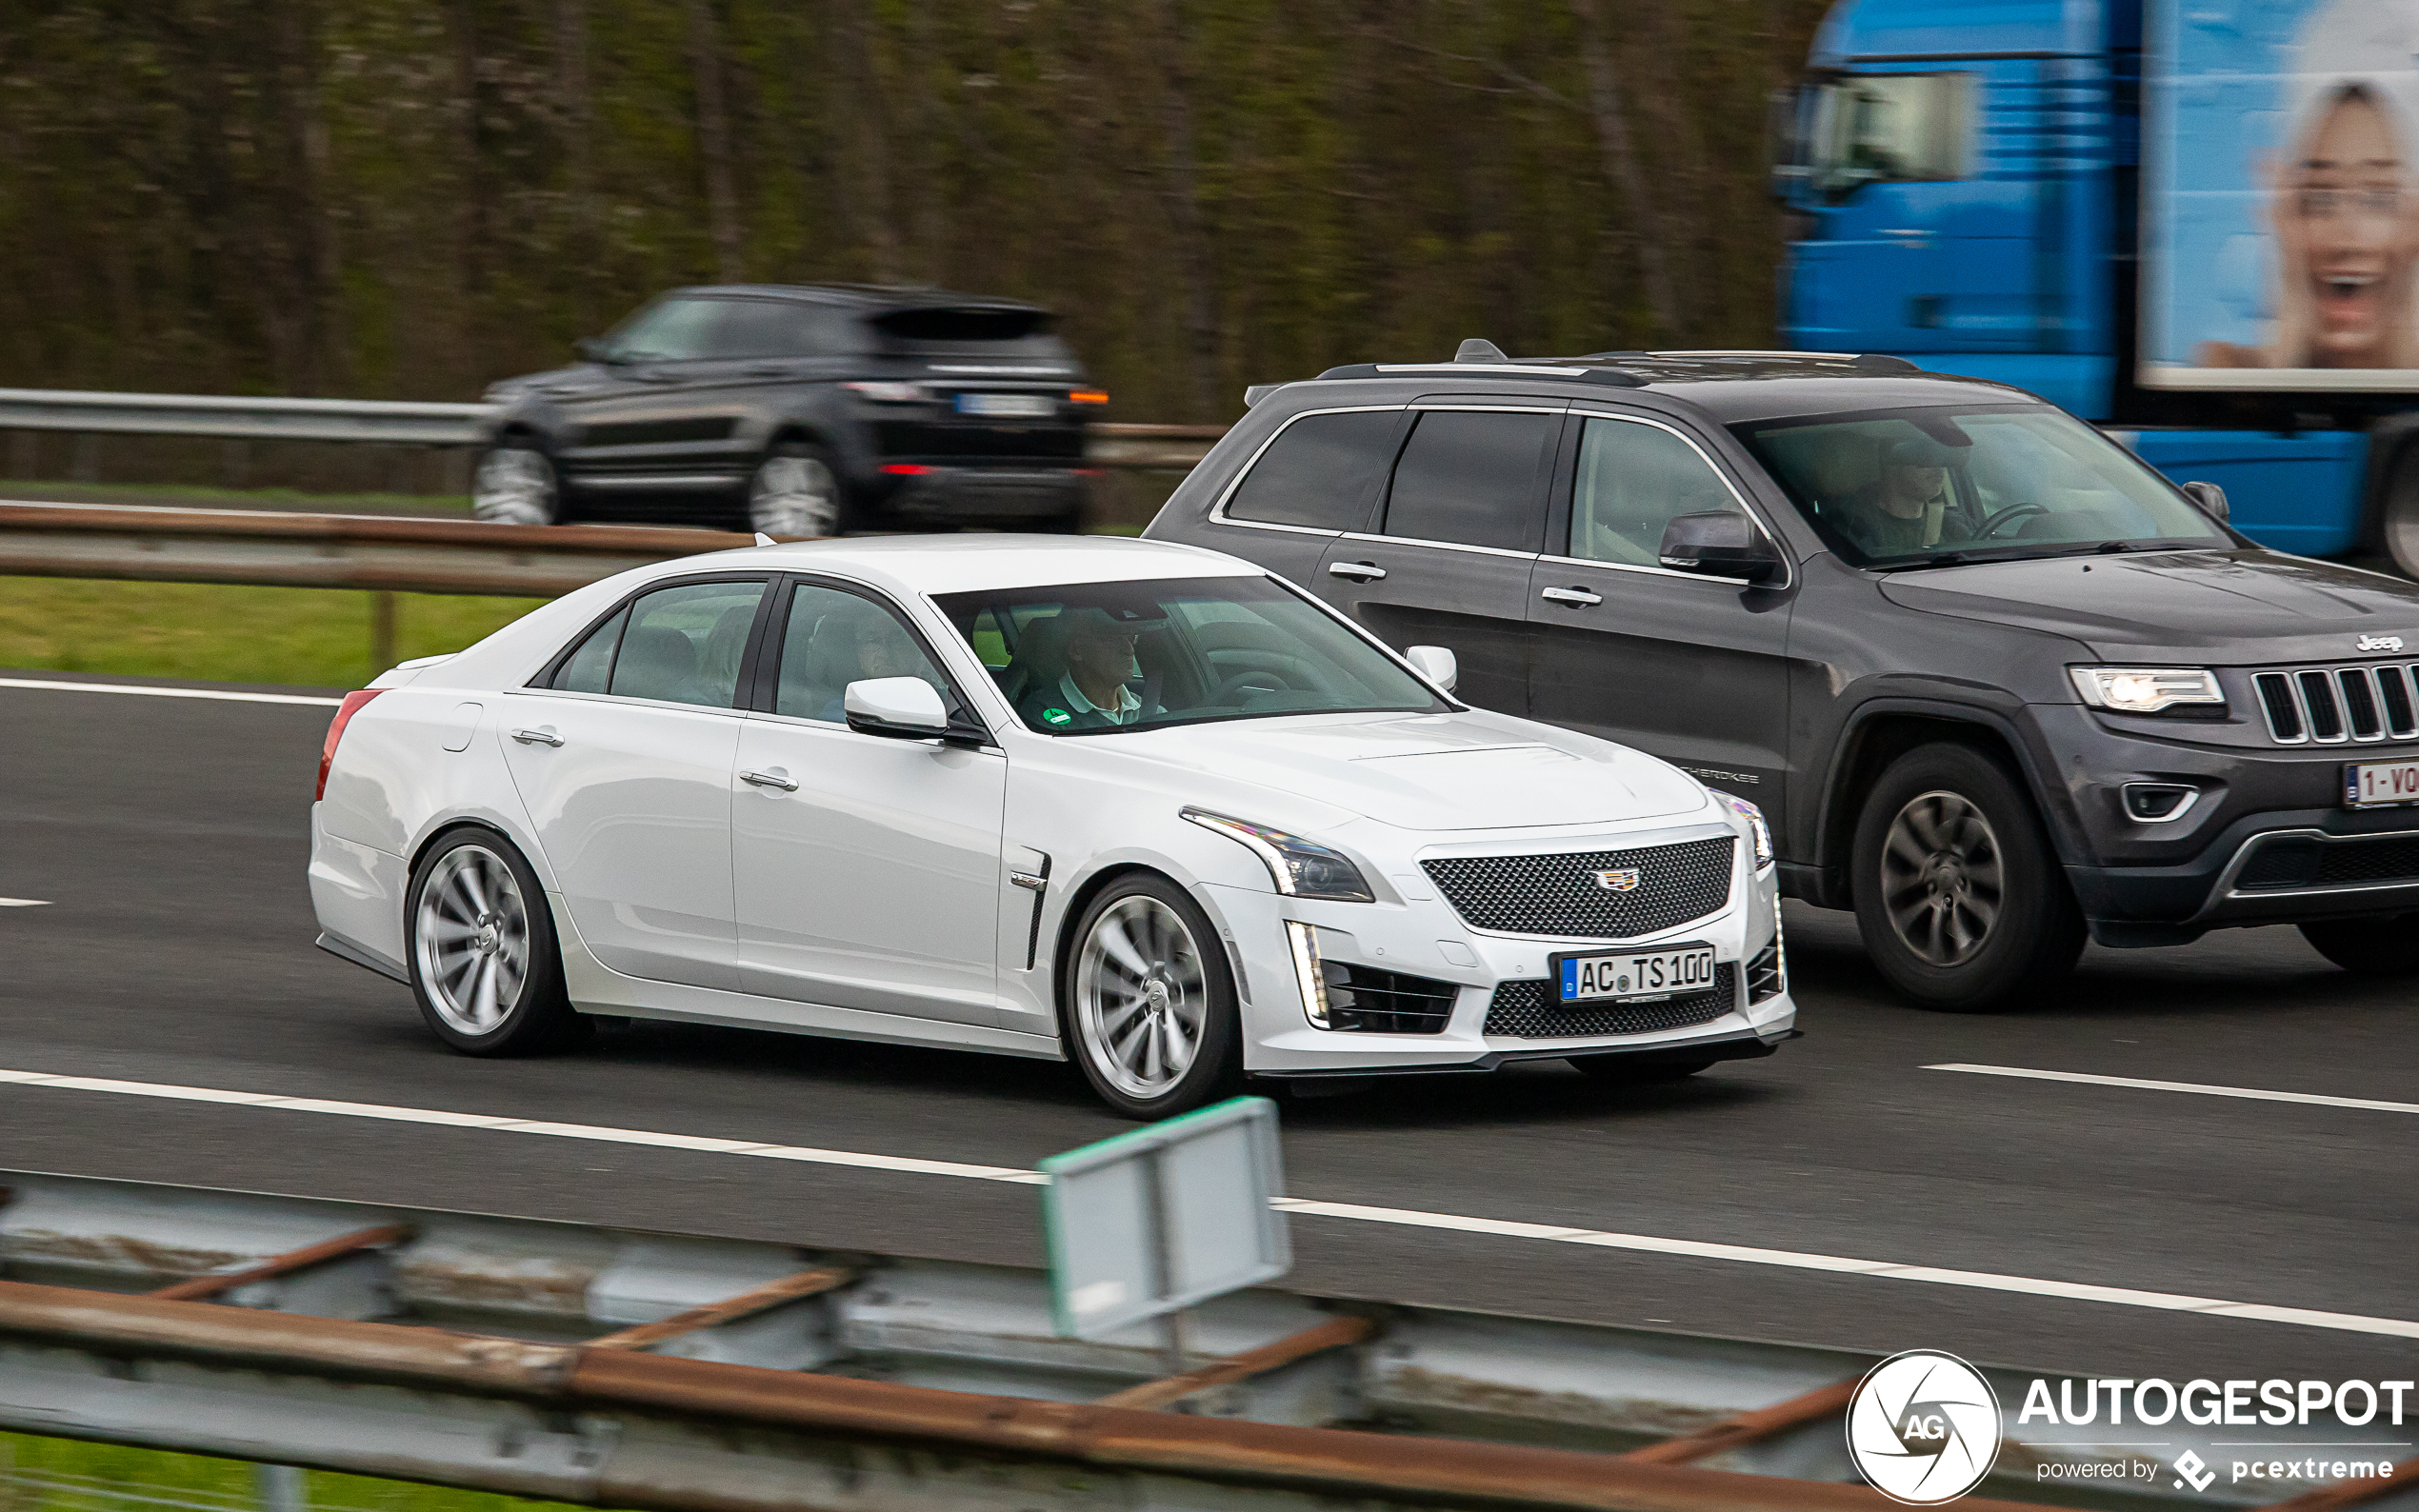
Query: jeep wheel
2368	947
1960	900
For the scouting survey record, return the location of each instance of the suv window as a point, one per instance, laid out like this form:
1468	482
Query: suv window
1317	471
772	328
681	645
1631	478
835	637
668	330
1470	477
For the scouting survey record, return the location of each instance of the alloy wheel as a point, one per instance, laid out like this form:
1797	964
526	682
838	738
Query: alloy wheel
471	937
1942	878
515	485
794	496
1142	996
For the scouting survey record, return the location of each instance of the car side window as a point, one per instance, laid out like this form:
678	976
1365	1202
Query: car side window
683	644
669	331
1469	477
834	637
1317	471
770	328
590	668
1630	479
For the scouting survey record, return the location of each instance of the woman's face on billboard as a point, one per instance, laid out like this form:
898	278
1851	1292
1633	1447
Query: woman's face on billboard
2343	229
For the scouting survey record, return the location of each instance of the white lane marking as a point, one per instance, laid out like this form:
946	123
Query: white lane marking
148	690
1505	1228
25	903
2255	1094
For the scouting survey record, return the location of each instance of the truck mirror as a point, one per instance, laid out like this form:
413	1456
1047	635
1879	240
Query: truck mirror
1722	543
2210	498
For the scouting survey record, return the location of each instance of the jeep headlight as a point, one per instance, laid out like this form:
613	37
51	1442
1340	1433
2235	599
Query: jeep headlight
1299	868
2146	689
1754	818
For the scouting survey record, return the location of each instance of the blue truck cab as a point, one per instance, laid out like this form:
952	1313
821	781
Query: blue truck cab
2074	197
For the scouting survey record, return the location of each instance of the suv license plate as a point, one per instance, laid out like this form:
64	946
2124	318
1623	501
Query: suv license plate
1630	975
2380	785
1019	407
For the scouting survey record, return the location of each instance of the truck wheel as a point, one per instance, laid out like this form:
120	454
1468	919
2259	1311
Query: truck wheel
1960	900
2368	947
2401	520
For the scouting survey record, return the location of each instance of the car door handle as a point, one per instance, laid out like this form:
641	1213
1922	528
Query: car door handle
1360	571
1576	598
771	779
543	735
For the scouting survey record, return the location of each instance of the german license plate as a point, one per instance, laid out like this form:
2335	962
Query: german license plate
1628	975
1008	407
2380	785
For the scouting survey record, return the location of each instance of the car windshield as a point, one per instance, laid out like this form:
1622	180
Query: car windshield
1096	658
1915	487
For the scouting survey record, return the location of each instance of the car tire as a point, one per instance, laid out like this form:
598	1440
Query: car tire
2368	947
1959	897
481	948
1146	1003
1623	1070
796	491
516	484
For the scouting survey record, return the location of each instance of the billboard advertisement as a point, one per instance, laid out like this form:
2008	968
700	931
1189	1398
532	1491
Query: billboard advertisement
2280	212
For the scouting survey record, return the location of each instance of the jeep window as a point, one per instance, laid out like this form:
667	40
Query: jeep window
1470	477
1100	658
1317	472
1911	488
1631	480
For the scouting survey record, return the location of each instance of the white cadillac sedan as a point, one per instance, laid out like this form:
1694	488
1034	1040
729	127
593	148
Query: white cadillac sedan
1137	804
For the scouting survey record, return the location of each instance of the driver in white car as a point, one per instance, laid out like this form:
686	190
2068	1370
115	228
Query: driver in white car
1094	691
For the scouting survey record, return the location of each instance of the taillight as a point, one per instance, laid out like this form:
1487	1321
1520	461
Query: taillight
905	469
1087	396
344	712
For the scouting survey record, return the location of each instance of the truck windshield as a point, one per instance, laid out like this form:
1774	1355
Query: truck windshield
1911	488
1097	658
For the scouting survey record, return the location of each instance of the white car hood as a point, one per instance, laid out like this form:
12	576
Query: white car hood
1438	771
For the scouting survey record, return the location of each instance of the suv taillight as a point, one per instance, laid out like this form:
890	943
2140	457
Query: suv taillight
345	711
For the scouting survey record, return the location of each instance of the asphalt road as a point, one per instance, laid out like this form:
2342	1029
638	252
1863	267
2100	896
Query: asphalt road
165	840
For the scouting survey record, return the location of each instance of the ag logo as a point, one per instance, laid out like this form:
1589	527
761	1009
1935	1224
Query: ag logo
1924	1427
1624	880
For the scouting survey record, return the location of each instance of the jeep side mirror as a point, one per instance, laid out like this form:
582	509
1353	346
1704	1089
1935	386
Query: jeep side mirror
905	707
1720	543
2209	497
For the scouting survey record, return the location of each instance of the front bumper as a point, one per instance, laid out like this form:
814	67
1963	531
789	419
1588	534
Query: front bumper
985	493
1418	933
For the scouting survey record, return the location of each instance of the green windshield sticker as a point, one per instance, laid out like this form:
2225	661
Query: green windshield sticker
1057	716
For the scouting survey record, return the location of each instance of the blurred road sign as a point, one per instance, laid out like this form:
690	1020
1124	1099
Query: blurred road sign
1149	1223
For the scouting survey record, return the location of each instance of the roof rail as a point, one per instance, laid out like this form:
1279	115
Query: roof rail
1613	376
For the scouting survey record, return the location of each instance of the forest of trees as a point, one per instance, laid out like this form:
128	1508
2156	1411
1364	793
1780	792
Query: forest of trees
410	198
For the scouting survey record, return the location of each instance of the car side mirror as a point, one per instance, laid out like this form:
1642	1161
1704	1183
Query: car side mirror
593	349
904	707
2210	498
1719	541
1435	662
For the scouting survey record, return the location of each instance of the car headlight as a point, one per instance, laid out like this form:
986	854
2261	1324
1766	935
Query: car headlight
1754	818
1299	868
2146	689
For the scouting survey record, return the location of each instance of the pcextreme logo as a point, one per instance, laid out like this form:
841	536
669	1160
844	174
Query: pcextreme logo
1923	1427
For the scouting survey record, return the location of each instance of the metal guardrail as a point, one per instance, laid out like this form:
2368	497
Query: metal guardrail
380	553
619	1367
406	423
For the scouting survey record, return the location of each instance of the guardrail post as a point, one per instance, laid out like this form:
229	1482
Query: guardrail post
21	445
282	1488
381	632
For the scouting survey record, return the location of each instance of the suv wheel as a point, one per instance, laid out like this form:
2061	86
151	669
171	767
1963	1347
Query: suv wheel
2370	947
2401	511
795	491
1960	900
516	484
1146	1006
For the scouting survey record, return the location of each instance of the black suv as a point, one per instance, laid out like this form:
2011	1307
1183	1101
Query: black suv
800	410
1997	685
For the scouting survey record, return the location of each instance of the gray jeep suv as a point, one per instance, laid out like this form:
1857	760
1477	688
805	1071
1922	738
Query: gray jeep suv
1997	686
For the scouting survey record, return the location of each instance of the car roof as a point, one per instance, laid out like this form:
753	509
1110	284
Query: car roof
872	297
910	564
1726	386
